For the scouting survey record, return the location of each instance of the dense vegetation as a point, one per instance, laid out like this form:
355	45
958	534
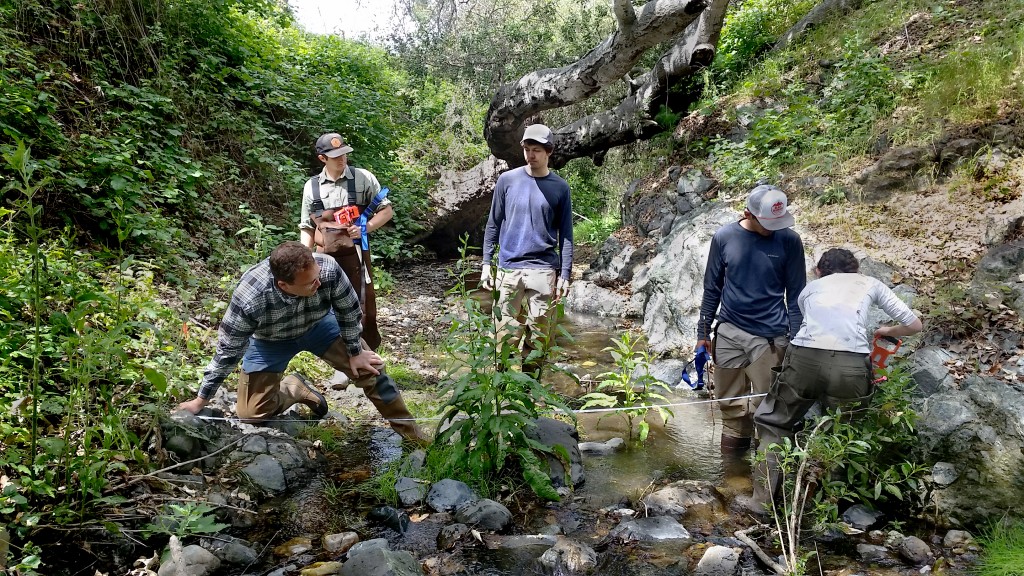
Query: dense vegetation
153	149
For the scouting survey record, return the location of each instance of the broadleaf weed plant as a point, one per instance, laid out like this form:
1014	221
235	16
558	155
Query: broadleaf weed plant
630	387
847	457
491	402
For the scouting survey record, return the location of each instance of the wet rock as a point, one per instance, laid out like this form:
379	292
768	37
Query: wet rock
382	562
677	498
340	543
266	472
189	561
484	514
321	569
550	432
367	546
944	473
499	542
294	547
873	554
446	495
650	529
914	550
605	448
567	558
411	490
718	561
451	535
285	570
231	550
861	517
390	518
957	539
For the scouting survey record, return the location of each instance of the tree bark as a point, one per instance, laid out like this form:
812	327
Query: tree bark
658	21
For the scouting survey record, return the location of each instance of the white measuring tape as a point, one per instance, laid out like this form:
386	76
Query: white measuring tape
438	418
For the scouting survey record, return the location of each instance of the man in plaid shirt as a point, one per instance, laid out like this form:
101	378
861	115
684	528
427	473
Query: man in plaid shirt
291	302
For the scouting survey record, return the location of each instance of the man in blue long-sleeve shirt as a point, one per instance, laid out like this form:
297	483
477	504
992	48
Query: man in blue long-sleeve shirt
291	302
754	276
531	221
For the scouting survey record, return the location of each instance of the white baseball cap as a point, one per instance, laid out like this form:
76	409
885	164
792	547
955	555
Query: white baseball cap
538	133
768	204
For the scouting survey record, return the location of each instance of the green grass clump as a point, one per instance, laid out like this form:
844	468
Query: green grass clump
1003	554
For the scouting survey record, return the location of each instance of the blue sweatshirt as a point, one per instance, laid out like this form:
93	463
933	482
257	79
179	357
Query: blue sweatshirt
755	279
531	220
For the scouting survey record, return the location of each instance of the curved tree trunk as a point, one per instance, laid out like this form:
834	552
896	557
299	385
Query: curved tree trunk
693	24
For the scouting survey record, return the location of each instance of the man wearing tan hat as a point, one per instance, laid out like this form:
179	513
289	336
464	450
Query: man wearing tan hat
754	275
336	187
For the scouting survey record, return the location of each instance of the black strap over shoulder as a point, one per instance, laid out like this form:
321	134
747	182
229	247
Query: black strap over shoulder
352	189
317	205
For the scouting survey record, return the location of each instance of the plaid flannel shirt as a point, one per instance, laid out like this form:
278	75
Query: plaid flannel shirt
259	309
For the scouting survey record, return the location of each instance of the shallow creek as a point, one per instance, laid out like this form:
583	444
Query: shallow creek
684	448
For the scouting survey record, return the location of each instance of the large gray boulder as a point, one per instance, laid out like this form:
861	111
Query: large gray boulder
550	432
381	562
979	430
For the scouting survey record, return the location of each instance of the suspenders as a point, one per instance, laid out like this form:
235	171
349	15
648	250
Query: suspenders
317	205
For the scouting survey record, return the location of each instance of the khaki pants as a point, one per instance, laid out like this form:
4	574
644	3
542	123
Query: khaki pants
524	304
807	375
262	395
743	366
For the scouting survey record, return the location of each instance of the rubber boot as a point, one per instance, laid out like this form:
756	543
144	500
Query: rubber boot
734	448
389	402
766	482
258	396
295	389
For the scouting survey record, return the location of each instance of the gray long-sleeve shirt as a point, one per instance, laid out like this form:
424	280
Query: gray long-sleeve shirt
529	218
753	282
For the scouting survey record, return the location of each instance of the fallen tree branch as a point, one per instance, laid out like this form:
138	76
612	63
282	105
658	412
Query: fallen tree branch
742	536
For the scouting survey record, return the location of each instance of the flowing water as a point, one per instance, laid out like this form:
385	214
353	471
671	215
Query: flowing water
686	447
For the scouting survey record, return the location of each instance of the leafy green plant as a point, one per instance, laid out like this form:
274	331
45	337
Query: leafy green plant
848	457
491	403
261	237
595	231
184	520
630	388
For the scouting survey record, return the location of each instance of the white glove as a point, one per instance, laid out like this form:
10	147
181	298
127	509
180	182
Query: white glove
562	288
486	280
